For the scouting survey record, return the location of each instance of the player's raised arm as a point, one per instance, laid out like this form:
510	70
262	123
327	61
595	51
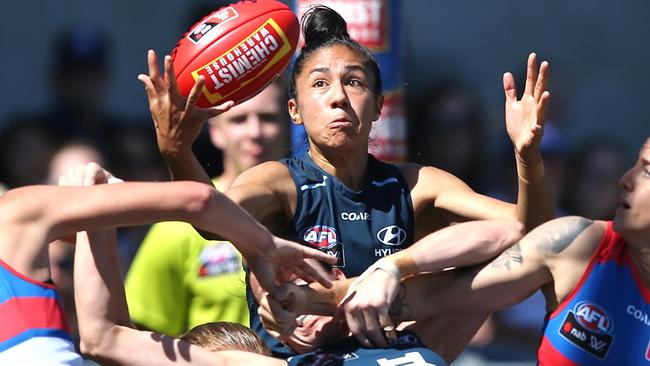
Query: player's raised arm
525	120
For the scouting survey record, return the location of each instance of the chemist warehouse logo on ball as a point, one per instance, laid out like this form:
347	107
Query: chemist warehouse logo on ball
325	239
257	53
589	327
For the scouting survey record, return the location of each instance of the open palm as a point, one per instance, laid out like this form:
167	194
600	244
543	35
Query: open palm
525	117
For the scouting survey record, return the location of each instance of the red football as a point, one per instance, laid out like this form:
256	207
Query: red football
239	49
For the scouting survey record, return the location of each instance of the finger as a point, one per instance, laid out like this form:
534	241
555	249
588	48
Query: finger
352	319
531	74
317	255
387	325
148	86
542	80
509	88
274	334
78	176
170	77
221	108
92	174
374	330
542	106
284	319
154	72
195	93
313	272
266	316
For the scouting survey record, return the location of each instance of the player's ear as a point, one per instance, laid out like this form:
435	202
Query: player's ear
294	112
338	274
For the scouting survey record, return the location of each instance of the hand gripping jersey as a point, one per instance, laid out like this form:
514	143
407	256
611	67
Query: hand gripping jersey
356	227
33	327
406	351
606	318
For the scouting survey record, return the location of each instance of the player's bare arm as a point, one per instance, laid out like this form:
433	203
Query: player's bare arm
268	193
539	259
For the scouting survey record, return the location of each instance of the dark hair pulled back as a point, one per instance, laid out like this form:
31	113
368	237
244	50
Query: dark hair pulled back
323	27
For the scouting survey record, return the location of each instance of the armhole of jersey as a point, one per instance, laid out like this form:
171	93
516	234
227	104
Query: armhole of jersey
288	163
603	246
405	184
23	277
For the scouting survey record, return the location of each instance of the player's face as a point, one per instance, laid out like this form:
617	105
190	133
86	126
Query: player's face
335	99
252	132
632	217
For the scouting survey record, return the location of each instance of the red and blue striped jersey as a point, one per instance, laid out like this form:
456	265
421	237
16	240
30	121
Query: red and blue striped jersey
605	320
31	313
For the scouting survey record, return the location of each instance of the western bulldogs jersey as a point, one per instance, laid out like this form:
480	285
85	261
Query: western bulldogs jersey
406	351
34	330
606	318
357	228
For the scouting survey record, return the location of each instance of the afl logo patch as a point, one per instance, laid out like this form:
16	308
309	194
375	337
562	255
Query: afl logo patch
392	235
588	327
321	236
592	317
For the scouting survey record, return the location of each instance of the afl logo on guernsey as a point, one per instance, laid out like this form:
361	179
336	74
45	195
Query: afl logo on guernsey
392	235
588	327
592	317
323	237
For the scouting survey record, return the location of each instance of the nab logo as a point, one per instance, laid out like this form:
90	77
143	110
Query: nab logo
323	237
592	317
392	235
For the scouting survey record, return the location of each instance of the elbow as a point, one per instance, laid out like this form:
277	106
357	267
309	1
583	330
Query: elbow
98	345
201	196
508	233
91	345
515	231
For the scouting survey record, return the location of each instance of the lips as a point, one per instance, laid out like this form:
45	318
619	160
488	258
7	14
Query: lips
340	122
622	203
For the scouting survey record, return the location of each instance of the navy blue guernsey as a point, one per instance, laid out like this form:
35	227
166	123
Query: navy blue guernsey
356	227
406	350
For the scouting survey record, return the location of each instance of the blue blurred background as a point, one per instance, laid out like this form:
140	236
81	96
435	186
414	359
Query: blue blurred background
455	55
597	49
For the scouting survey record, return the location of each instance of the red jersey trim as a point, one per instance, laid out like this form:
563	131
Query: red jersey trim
600	252
25	278
547	355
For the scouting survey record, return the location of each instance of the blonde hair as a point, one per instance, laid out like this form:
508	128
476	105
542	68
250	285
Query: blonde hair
223	336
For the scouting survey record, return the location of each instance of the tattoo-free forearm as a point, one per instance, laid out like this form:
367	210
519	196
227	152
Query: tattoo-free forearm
535	202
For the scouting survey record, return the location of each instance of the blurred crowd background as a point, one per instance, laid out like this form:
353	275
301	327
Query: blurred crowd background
71	95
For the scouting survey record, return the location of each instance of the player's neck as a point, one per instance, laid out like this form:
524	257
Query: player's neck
641	256
350	170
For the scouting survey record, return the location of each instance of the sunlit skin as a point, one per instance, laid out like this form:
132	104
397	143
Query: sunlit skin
632	217
250	133
314	331
337	105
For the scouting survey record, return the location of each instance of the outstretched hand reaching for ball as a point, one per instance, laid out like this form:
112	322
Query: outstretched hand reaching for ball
177	119
525	117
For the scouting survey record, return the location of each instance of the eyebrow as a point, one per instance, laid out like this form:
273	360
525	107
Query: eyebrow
347	68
